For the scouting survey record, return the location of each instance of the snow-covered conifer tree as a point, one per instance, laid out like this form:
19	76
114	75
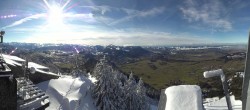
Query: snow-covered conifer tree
113	91
102	90
141	94
129	89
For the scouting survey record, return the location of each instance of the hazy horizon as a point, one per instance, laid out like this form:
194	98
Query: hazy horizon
167	45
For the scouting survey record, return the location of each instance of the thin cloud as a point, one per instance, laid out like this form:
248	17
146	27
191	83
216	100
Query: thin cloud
79	15
86	17
102	37
19	22
139	14
211	13
102	9
131	13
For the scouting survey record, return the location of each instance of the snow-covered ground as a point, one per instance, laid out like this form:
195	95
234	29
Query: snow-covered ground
68	93
221	104
188	97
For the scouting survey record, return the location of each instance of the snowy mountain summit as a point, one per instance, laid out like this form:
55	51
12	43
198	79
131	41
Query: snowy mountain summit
111	90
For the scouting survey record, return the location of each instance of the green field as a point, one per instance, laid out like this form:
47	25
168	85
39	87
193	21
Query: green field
189	72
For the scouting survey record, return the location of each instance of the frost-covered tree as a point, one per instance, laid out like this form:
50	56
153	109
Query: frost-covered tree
108	89
135	94
129	89
102	91
113	91
118	97
141	96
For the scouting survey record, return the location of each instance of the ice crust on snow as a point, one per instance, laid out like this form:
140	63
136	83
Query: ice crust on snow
183	97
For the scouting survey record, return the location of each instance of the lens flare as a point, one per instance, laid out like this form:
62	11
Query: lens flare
77	51
12	51
8	16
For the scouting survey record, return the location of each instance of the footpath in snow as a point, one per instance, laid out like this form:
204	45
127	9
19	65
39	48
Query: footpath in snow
68	93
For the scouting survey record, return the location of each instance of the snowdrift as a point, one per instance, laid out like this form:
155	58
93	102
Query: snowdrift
69	93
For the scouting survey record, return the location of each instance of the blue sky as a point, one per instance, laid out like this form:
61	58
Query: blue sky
125	22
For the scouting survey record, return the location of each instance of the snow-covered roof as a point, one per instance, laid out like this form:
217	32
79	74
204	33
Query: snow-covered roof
183	97
35	65
15	58
12	62
44	72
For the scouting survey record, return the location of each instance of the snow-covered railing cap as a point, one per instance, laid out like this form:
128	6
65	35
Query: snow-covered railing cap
213	73
219	72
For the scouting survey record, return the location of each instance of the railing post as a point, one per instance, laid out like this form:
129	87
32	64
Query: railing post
246	90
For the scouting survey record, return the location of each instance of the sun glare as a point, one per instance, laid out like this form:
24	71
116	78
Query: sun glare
55	15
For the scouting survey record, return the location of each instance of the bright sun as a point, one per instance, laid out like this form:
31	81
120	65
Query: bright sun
55	15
